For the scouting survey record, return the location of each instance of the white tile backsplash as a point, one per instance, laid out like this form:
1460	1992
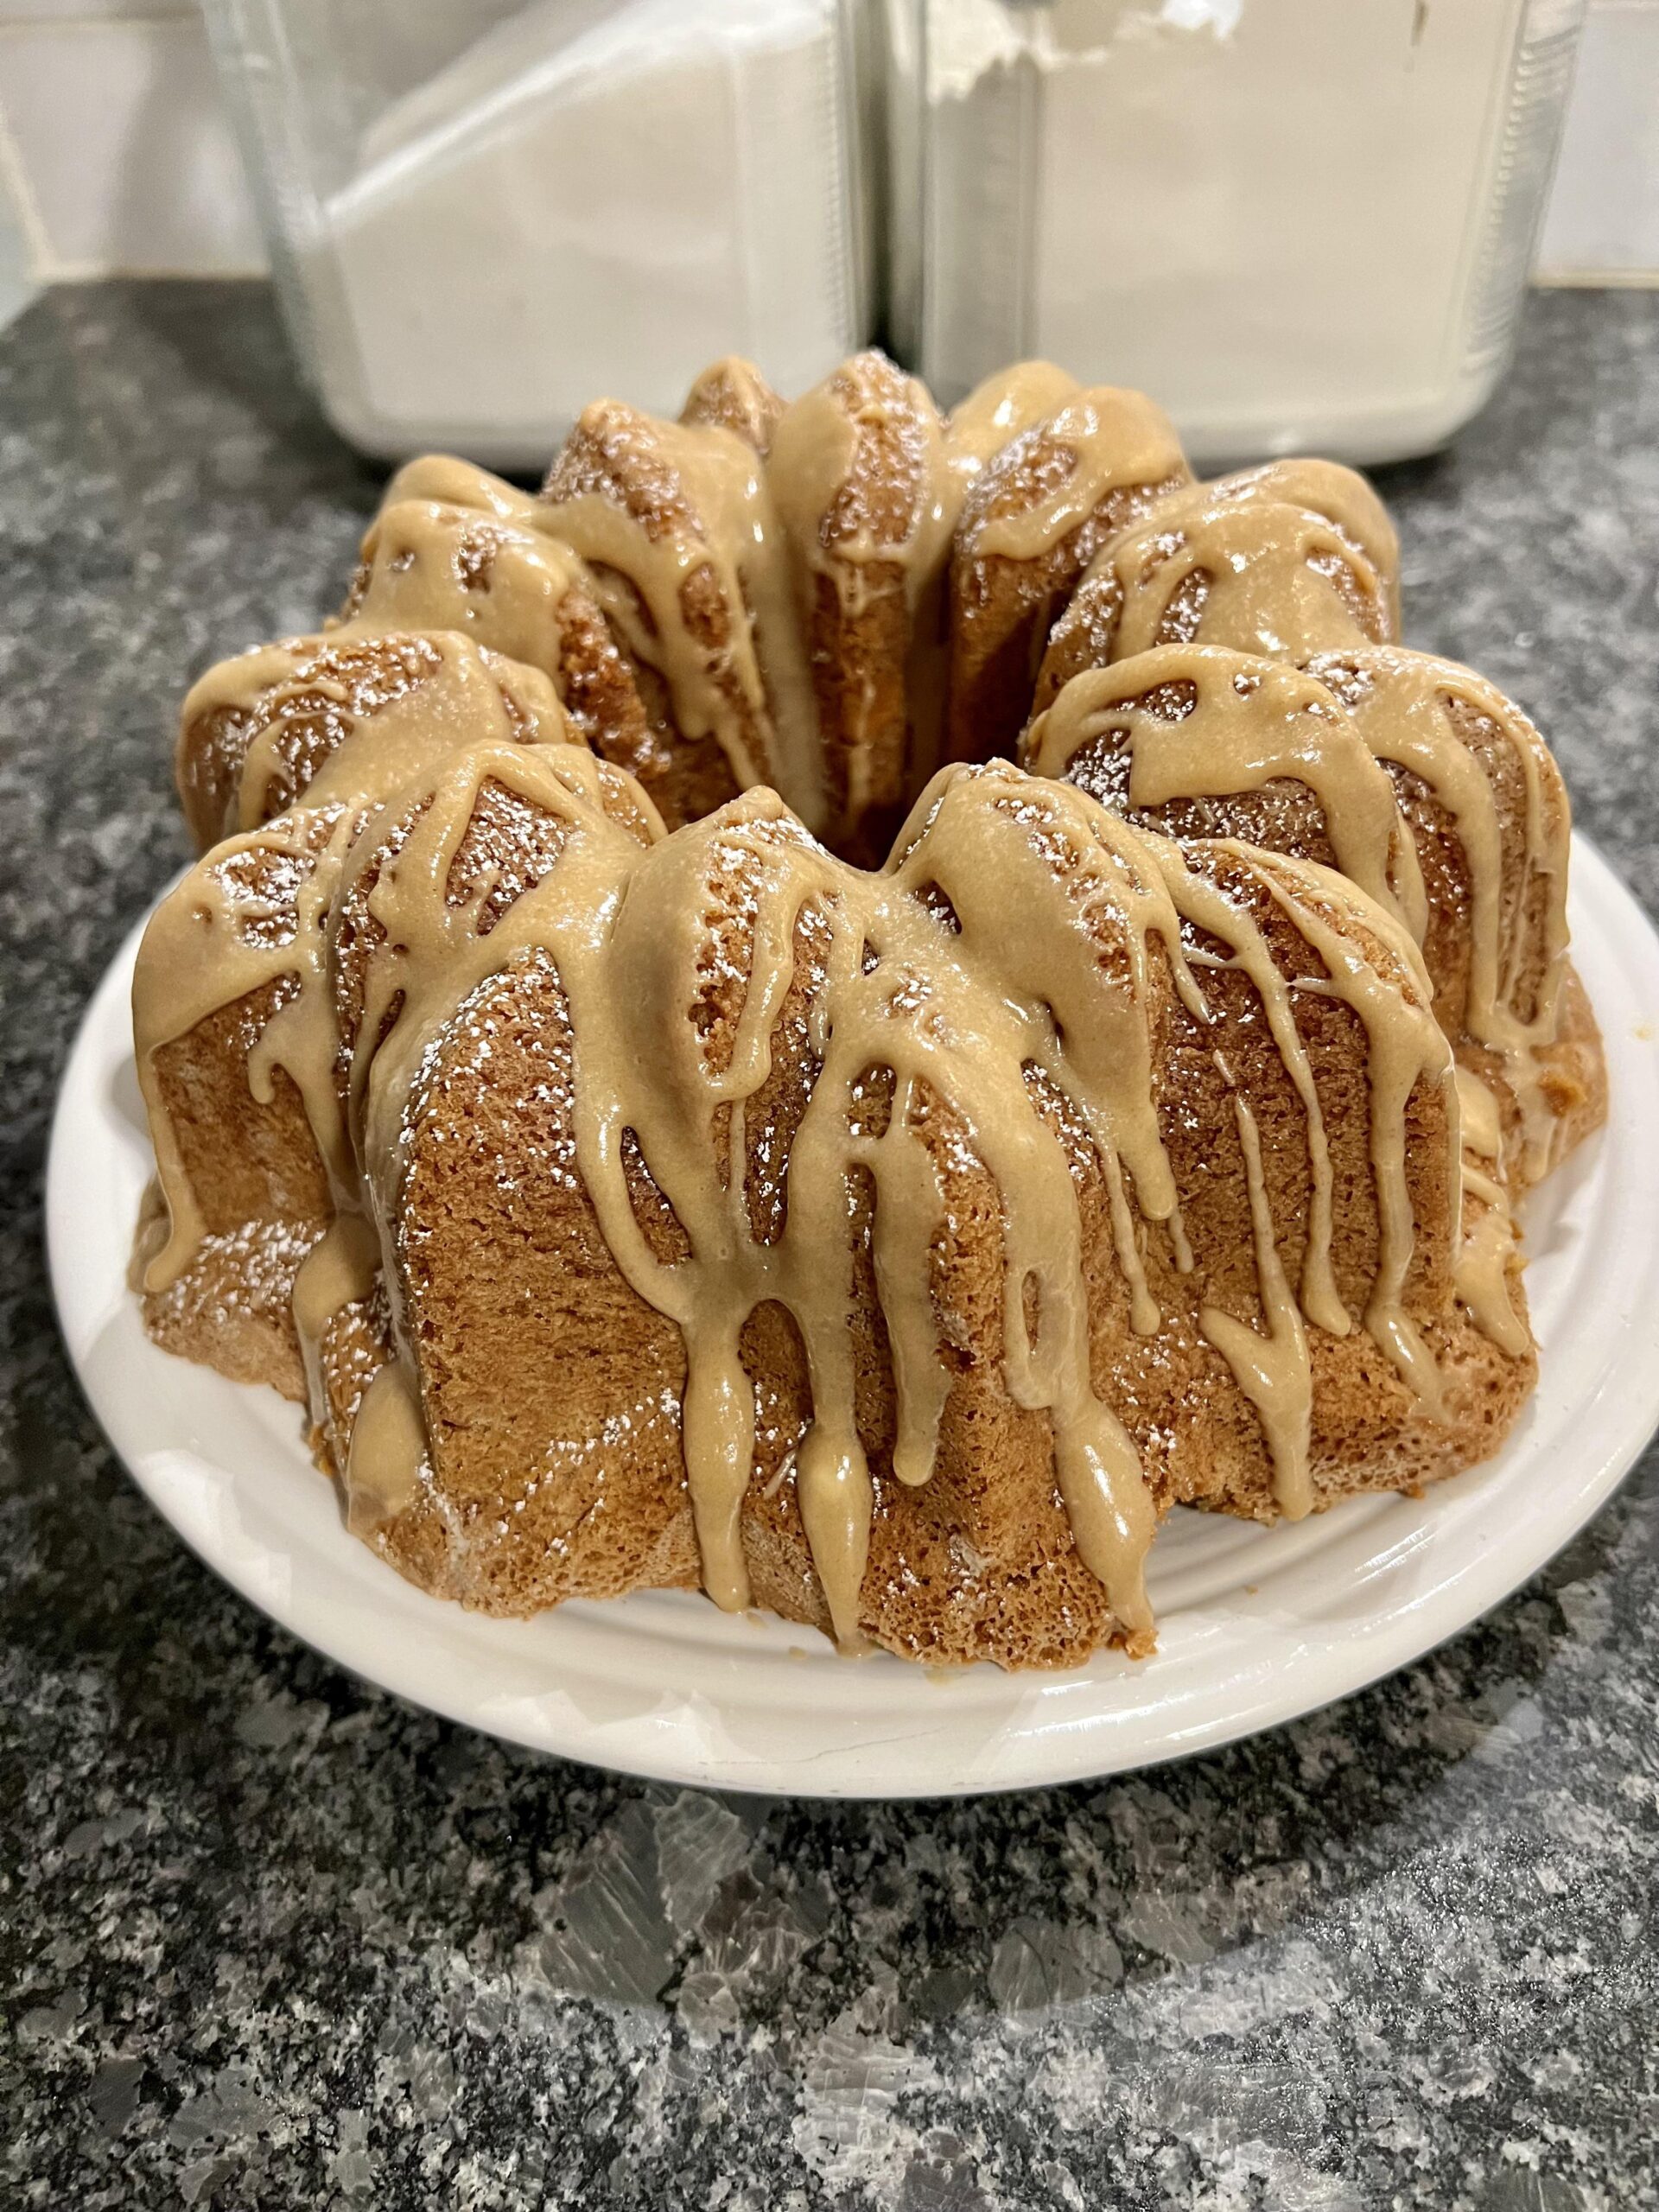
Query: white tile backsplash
119	144
114	139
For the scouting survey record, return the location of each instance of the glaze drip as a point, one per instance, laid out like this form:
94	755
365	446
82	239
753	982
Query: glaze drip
1336	495
251	919
678	527
919	976
344	715
1182	723
1106	440
1488	1260
1199	721
859	471
1429	716
1407	1047
256	914
1003	407
452	564
1271	1364
1255	574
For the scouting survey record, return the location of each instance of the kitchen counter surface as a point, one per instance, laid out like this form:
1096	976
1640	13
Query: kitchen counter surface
268	1938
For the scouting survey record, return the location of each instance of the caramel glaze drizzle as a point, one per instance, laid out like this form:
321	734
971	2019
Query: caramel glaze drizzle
835	459
1338	496
697	540
255	912
924	978
1488	1256
419	557
450	482
1110	439
341	716
1003	407
443	525
1200	721
665	521
679	528
442	518
1403	704
861	475
732	394
216	938
1258	574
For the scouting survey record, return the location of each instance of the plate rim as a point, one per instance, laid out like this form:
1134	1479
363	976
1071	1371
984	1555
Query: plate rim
1381	1643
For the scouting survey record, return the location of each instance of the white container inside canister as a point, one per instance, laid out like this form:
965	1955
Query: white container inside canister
1301	224
478	236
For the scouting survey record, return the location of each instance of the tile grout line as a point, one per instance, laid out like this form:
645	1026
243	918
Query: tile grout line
1616	280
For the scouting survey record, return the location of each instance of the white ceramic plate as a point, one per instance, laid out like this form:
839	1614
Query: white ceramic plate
1256	1626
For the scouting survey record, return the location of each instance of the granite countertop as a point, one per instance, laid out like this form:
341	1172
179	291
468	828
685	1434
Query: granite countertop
270	1938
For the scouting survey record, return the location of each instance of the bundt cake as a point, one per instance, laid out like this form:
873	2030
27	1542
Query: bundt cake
682	1108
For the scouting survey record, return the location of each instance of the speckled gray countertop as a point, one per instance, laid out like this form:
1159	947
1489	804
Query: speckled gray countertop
268	1938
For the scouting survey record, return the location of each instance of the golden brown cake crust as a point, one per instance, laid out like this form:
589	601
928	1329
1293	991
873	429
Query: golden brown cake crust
1173	740
258	732
1260	576
525	1143
859	471
265	1200
477	560
731	394
978	1561
1032	521
665	516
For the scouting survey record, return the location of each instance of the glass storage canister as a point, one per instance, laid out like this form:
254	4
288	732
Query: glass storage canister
1301	224
483	214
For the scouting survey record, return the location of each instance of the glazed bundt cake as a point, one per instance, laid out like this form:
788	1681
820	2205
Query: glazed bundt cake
681	1109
